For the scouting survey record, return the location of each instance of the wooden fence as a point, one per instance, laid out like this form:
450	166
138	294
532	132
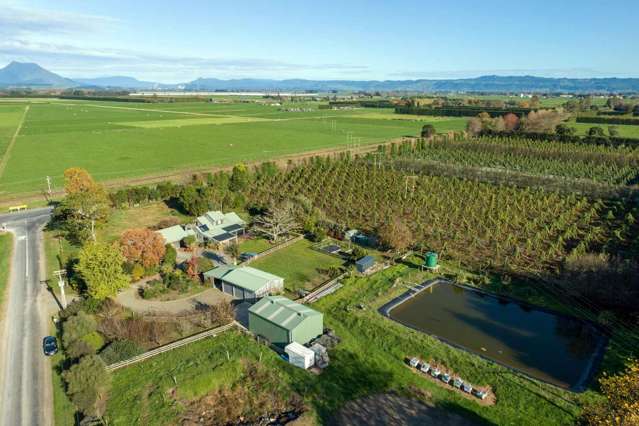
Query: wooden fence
169	347
273	249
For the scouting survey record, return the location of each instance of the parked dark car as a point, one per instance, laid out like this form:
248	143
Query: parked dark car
49	345
247	255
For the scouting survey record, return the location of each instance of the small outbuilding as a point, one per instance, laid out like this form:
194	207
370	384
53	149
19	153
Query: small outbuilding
300	356
175	234
365	263
244	282
282	321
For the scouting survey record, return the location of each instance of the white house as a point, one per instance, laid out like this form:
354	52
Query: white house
219	227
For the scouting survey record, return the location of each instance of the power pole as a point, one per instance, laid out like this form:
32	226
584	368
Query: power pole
49	185
63	298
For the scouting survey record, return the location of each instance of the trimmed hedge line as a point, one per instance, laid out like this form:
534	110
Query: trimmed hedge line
608	120
463	111
610	141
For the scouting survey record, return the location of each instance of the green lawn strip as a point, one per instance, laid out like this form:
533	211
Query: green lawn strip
625	130
299	264
6	249
254	245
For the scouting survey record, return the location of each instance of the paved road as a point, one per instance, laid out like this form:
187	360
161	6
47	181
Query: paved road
25	373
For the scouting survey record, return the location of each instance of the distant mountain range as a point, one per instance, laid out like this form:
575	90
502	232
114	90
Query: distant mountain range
18	74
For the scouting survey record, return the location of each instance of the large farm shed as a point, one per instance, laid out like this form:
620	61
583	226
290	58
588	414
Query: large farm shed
282	321
244	282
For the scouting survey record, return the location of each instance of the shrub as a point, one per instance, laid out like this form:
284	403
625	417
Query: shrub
204	264
88	385
78	326
120	350
137	272
170	255
153	289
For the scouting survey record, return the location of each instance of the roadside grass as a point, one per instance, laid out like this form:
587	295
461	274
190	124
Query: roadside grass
299	264
254	245
63	409
6	248
58	251
144	216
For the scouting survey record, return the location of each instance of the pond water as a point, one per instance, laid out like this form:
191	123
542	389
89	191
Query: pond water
549	347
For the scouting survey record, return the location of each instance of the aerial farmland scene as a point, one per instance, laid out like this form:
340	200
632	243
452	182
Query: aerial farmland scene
334	213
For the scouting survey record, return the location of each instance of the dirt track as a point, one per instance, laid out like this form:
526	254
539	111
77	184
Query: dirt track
392	409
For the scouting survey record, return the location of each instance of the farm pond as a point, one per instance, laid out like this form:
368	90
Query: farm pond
546	346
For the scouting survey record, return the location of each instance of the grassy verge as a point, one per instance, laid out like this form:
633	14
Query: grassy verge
57	252
6	247
63	409
299	265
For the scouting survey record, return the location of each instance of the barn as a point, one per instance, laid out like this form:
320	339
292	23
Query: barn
244	282
282	321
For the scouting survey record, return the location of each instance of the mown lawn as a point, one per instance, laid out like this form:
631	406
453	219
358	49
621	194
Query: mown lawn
299	264
254	245
6	248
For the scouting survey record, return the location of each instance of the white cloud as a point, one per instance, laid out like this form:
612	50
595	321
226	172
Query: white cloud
21	21
50	38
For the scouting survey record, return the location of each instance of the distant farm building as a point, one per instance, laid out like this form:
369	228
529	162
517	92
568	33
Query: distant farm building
175	234
244	282
365	263
282	321
219	227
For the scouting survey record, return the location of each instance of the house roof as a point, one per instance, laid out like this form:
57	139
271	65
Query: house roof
282	311
175	233
218	225
251	279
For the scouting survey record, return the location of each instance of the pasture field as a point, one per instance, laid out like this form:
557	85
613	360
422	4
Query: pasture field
625	130
124	140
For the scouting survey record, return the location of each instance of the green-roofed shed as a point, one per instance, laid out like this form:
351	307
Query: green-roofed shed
282	321
244	282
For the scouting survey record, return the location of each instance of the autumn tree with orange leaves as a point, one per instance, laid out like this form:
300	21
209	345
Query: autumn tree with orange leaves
143	246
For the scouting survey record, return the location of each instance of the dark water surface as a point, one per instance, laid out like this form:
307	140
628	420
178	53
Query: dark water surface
549	347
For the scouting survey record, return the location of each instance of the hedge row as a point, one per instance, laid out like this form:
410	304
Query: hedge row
609	141
462	111
608	120
104	98
364	104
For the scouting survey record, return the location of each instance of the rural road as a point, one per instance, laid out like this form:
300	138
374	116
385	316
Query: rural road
25	373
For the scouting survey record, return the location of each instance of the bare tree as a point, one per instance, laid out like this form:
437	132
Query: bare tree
276	222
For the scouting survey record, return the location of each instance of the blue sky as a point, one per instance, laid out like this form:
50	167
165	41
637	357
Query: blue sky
177	41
